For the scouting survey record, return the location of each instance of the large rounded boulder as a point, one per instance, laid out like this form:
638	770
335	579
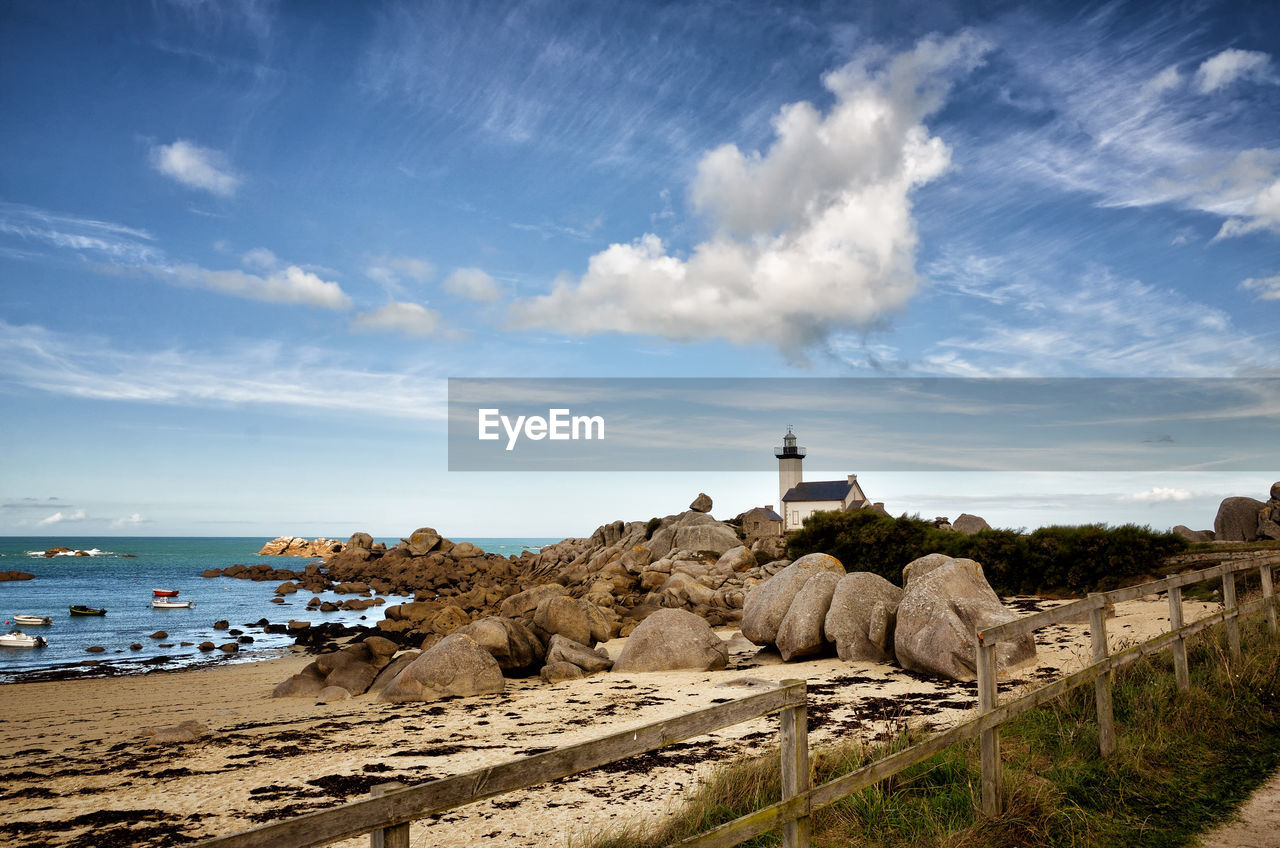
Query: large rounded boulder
456	665
938	617
581	621
767	604
1237	520
801	634
513	645
672	639
862	617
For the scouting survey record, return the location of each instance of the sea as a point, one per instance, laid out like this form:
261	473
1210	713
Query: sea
119	575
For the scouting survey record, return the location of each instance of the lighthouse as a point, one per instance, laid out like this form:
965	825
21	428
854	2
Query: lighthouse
790	472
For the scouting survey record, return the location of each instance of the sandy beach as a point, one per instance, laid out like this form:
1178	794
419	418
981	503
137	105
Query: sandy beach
80	769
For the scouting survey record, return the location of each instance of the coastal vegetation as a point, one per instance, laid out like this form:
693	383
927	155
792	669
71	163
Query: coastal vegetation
1050	560
1184	761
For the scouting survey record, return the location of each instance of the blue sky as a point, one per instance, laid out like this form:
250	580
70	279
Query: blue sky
244	244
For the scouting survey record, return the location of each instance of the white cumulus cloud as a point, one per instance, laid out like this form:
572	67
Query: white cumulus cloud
410	319
473	284
259	258
1261	212
1160	494
1230	65
129	520
1268	288
59	517
196	167
288	285
813	234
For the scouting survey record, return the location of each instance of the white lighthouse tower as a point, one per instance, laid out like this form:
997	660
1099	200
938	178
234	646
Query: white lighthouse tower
790	472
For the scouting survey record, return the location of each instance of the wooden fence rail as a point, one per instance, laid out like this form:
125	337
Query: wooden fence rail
387	814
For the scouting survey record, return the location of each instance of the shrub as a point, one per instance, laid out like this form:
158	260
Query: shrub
1087	558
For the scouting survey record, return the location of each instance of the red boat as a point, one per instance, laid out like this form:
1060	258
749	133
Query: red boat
165	593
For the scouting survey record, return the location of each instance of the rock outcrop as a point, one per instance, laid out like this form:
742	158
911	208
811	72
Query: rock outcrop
514	646
940	610
457	665
1269	516
297	546
353	668
1237	520
1192	535
672	639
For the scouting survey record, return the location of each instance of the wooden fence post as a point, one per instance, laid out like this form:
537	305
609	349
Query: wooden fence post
795	767
1181	673
1267	593
396	836
1233	624
989	741
1102	684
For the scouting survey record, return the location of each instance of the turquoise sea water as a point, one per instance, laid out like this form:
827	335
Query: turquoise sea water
121	573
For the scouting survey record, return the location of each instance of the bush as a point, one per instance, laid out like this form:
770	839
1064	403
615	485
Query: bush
1087	558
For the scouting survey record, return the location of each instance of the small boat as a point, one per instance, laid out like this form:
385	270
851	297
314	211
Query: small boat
165	603
81	609
18	639
165	593
32	620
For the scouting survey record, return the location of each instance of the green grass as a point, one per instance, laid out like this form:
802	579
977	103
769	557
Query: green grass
1184	762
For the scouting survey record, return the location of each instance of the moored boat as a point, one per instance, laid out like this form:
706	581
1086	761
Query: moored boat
18	639
165	593
166	603
81	609
32	620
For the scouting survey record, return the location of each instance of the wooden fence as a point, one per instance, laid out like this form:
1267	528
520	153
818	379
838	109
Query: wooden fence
387	814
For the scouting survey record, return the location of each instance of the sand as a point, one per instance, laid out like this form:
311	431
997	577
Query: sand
80	770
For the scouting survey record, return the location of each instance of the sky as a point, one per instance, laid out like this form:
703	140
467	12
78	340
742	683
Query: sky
244	245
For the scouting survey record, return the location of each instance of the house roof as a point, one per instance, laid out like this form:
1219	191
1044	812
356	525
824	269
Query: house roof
819	490
761	512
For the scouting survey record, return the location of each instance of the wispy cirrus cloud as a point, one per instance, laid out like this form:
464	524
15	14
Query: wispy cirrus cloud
1045	316
196	167
1140	117
397	273
98	238
262	374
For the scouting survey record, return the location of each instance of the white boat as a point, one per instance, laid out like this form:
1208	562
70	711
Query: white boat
168	603
18	639
32	620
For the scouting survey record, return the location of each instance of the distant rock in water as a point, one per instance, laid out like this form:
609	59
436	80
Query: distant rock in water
297	546
15	575
53	552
